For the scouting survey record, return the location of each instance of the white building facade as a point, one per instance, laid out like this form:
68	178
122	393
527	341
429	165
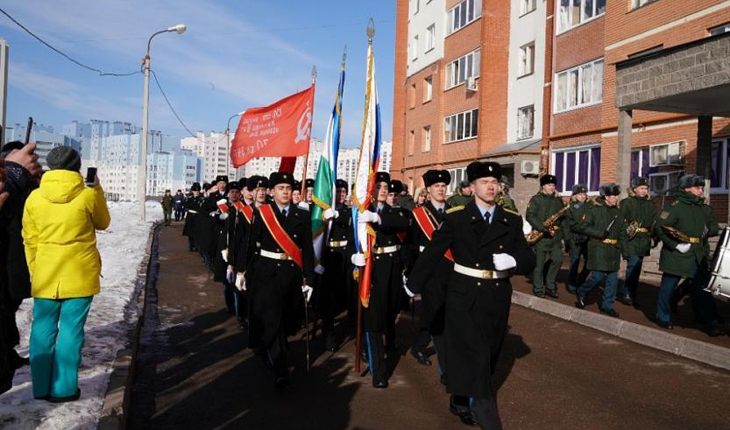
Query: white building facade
214	149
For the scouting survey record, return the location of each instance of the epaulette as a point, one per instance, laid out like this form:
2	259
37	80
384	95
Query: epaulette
511	211
454	209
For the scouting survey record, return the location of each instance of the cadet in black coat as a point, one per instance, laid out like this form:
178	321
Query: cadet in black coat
488	246
192	206
277	285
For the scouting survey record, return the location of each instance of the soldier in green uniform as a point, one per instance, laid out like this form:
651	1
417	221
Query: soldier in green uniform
462	195
167	206
639	214
504	198
576	243
685	252
541	207
605	228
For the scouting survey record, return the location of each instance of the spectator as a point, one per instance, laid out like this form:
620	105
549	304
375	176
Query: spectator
178	203
462	195
421	196
7	371
405	200
59	225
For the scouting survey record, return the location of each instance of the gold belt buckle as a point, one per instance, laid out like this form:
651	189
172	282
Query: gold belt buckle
487	274
694	240
283	256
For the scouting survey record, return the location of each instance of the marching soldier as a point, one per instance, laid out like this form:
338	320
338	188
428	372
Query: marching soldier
387	278
684	227
296	192
239	230
576	243
605	227
488	246
504	198
308	194
542	206
426	220
192	205
280	264
257	185
207	225
639	213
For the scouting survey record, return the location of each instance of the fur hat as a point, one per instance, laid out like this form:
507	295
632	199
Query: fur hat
382	177
688	181
341	183
436	176
309	183
639	182
395	186
233	185
548	179
64	158
297	186
579	189
479	169
277	178
220	178
610	189
256	181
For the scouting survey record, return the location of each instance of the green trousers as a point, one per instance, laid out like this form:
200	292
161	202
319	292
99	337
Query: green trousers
56	338
553	254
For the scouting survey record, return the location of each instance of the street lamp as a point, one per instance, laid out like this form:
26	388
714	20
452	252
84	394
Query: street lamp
142	174
228	141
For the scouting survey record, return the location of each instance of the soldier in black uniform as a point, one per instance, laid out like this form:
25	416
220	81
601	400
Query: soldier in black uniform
337	289
488	246
258	185
425	220
296	192
387	278
207	223
280	279
308	193
192	206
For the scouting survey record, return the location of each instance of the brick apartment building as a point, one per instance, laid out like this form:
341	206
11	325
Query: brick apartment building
589	90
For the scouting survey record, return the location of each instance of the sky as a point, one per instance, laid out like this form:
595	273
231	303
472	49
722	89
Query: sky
235	54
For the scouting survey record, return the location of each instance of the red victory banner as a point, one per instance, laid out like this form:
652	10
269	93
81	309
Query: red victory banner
278	130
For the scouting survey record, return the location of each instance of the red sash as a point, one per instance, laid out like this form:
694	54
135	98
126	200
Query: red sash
246	210
425	222
280	235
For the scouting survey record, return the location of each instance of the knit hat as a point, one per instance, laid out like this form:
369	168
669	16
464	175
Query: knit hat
64	158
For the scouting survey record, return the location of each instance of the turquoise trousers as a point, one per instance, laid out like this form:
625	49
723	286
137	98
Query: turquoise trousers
56	338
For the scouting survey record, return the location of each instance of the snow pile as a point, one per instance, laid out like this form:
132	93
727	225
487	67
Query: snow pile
122	247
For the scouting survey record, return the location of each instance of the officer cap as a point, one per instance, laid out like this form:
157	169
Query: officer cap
309	183
479	169
382	177
579	189
341	183
256	181
277	178
548	179
395	186
435	176
610	189
223	178
639	182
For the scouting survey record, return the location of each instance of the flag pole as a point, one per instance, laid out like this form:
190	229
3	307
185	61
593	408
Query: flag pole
364	274
302	191
328	226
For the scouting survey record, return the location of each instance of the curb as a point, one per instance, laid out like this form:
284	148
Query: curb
654	338
116	401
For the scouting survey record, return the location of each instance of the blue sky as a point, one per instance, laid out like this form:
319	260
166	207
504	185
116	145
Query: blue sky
234	55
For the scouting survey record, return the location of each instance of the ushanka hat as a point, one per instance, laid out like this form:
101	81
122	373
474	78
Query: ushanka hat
436	176
382	177
610	189
480	169
195	186
395	186
579	189
688	181
548	179
639	182
309	183
233	185
256	181
341	183
220	178
277	178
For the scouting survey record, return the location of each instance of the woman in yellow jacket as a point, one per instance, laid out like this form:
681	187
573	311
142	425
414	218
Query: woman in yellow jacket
59	223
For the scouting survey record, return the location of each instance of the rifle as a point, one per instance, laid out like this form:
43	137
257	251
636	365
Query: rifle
28	128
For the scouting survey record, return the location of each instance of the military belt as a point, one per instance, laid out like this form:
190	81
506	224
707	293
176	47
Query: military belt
275	255
481	274
192	211
610	241
694	240
337	243
386	249
642	230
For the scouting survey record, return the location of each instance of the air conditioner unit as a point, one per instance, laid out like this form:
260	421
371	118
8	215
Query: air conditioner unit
667	154
471	84
662	183
530	167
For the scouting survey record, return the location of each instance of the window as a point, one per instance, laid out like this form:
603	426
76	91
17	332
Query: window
411	142
427	89
412	96
640	163
640	3
719	29
527	59
459	70
457	175
430	37
525	122
526	6
719	165
426	138
414	48
577	166
580	86
464	14
461	126
575	12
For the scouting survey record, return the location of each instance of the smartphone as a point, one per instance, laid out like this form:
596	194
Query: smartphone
90	175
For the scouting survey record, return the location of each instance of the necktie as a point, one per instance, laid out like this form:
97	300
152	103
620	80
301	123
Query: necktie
283	213
486	217
441	210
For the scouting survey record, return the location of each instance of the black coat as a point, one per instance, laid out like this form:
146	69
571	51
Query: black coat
337	283
276	302
13	265
477	310
192	205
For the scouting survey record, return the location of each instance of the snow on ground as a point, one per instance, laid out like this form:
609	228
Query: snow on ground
122	247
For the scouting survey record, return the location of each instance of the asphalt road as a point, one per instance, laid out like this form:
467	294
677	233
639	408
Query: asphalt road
195	373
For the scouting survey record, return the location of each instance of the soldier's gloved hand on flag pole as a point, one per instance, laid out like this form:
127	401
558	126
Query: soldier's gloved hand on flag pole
230	275
504	261
240	281
330	213
368	216
319	269
358	259
223	216
303	205
307	291
410	294
684	247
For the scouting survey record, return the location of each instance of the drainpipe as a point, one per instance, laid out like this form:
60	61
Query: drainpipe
547	90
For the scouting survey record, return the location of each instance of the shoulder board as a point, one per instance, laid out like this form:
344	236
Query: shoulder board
454	209
511	211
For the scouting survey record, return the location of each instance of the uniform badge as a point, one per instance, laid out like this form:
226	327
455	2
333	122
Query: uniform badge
584	217
664	215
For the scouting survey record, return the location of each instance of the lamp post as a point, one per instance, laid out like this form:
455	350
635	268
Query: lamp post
228	141
142	174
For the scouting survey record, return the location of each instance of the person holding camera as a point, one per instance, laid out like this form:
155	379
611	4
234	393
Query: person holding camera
59	231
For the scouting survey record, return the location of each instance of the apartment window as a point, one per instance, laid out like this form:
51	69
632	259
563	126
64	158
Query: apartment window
525	122
719	165
464	14
457	175
575	12
579	86
640	163
527	59
427	89
527	6
461	126
640	3
430	37
577	166
426	138
461	69
414	48
719	29
412	96
411	142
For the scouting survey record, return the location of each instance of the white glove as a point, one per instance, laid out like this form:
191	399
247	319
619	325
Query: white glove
409	292
526	228
230	275
223	216
240	281
504	261
319	269
330	213
368	216
683	247
307	291
303	205
358	259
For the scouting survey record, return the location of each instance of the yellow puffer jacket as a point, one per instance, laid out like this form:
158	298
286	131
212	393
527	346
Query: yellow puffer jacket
59	223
